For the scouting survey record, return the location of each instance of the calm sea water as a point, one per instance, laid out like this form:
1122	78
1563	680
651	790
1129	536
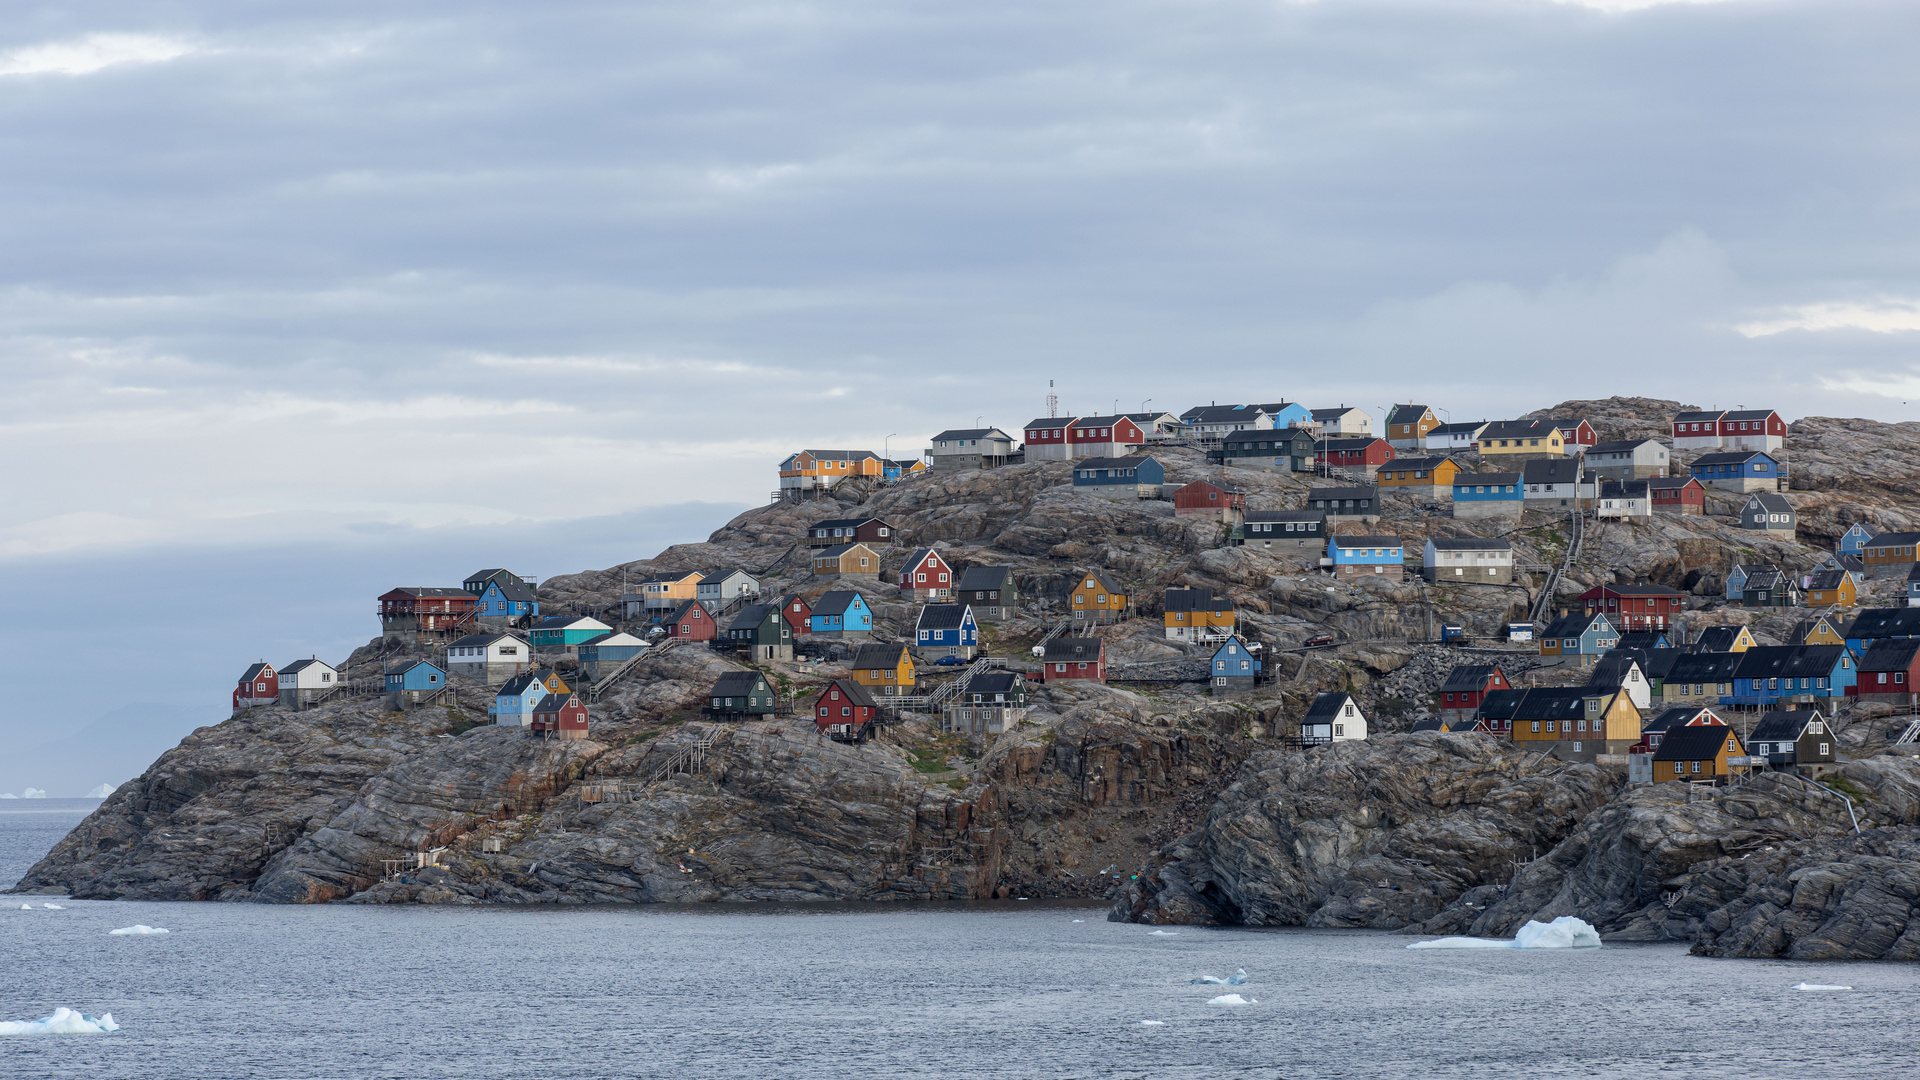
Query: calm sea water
838	991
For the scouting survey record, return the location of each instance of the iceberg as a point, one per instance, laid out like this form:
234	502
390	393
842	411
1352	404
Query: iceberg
1233	999
1239	977
33	793
1153	1023
8	795
102	791
1165	933
138	930
62	1022
53	907
1820	986
1565	932
26	907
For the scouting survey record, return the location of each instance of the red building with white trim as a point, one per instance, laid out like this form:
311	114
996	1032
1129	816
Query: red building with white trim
1635	607
1066	658
559	716
259	686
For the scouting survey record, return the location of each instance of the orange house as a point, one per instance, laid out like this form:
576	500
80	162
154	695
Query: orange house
818	470
1097	599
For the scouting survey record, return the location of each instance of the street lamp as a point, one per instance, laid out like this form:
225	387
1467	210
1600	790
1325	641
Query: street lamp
886	454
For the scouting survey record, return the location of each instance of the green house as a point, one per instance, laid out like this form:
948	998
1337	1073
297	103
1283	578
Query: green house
740	694
567	631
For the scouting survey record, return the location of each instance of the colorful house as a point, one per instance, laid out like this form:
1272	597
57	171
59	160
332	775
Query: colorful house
1636	607
1097	598
1736	582
1201	499
1576	723
1103	437
1575	434
1769	512
838	532
797	612
1047	438
1624	500
846	561
1286	530
1678	495
1888	671
1723	639
1488	495
812	471
259	685
503	597
426	612
1378	557
957	449
1066	658
1235	668
1210	422
1697	754
1285	450
741	695
844	711
1739	470
926	576
1586	635
690	622
762	632
560	716
513	703
1700	678
1358	503
885	670
1355	455
1333	717
1627	459
1198	615
1619	672
1517	440
657	596
1697	430
946	630
1451	438
1891	554
1466	687
897	468
1468	560
1420	477
1407	426
1119	478
990	703
992	592
1744	429
304	682
1767	587
1819	630
489	657
1655	727
1555	482
841	614
724	587
1773	675
1854	540
566	632
601	656
413	682
1796	739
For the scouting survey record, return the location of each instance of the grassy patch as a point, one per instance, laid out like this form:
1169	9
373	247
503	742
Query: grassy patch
1845	787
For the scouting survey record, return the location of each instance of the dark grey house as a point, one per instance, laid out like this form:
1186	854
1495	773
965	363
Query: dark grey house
991	591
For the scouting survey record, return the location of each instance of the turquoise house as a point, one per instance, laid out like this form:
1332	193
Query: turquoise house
1288	414
567	631
841	612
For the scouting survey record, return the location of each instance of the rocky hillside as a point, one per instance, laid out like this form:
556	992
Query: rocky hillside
1200	796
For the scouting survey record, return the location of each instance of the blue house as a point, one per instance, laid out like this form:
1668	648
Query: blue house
1854	540
1736	583
1235	669
1882	624
1369	556
1119	478
602	654
1288	414
945	630
413	682
1767	675
1483	495
840	613
1739	470
1586	636
506	601
513	703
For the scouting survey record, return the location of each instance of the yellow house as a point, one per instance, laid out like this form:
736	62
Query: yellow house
885	670
1419	472
1574	723
1097	599
1900	550
1531	438
1198	615
662	594
816	470
1827	588
1724	639
1818	630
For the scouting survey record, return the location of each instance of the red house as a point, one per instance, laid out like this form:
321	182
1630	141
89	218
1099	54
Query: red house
1201	499
926	577
1574	432
1047	438
690	622
1635	607
1889	671
560	716
844	711
259	686
1074	658
1103	436
426	611
797	612
1677	495
1362	453
1466	686
834	532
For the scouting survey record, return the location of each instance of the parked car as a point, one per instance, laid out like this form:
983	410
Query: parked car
946	661
1317	642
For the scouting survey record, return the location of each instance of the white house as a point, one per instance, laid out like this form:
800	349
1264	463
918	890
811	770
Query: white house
305	680
489	657
1468	560
723	587
969	448
1342	421
1627	500
1628	459
1555	482
1213	421
1452	437
1333	717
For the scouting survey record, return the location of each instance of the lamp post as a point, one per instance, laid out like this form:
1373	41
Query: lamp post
886	452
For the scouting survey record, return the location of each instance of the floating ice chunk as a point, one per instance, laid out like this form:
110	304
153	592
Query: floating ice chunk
1079	920
34	793
1153	1023
1238	978
1165	933
103	791
26	907
1565	932
53	907
62	1022
138	930
8	795
1233	999
1820	986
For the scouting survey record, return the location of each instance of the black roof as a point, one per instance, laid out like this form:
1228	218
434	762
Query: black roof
856	693
753	615
1623	489
1771	501
1717	638
1747	414
1468	676
1500	704
1567	626
1105	581
942	617
1326	707
1429	462
1470	478
1551	471
1195	600
1698	415
878	656
431	592
973	433
1619	446
844	523
985	577
1245	435
1431	723
1363	491
1464	426
991	681
1130	462
1640	639
1703	667
1785	725
1729	457
738	684
1657	663
1831	579
1766	577
1894	539
1358	442
1644	589
1049	423
1216	414
1887	654
1886	622
554	702
1074	648
838	550
1789	661
687	607
1509	429
1610	671
1469	543
471	641
836	602
519	683
1676	717
1554	703
1663	483
1698	743
1318	517
1406	414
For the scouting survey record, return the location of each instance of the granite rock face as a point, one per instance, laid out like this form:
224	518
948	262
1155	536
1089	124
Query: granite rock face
1376	834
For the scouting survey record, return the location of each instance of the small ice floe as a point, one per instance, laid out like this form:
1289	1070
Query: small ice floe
1565	932
1238	978
1233	999
138	930
1153	1023
26	907
53	907
62	1022
1820	986
1165	933
1079	920
102	791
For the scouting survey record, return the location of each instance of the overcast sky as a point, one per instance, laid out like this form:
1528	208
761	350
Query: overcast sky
277	275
